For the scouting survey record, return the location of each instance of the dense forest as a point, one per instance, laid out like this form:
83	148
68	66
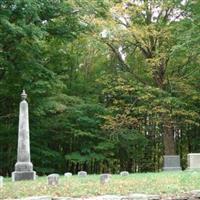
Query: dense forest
112	84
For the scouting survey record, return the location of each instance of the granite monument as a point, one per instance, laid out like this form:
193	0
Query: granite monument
23	167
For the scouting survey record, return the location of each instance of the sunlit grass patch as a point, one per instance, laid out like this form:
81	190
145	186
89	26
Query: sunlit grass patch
165	183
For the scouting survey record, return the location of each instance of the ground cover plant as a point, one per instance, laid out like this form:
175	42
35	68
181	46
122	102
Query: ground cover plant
163	183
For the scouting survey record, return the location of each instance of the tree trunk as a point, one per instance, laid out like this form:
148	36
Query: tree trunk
168	137
169	141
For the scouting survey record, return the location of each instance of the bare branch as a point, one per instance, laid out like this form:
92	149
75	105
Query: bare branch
123	63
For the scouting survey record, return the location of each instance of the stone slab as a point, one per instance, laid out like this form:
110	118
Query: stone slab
138	196
37	198
193	161
63	198
196	193
109	197
20	176
172	163
1	181
154	197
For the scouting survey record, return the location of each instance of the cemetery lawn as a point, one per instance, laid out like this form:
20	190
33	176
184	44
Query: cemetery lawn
163	183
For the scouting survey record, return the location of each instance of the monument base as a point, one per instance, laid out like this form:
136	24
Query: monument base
172	163
20	176
24	167
172	168
192	169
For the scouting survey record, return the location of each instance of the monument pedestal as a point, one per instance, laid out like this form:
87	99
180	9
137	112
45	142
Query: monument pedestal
19	176
171	163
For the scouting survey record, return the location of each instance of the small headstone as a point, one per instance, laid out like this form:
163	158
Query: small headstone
1	181
68	174
105	178
82	173
53	179
124	173
193	161
172	163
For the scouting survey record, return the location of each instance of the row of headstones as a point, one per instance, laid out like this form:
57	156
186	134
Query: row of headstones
84	173
53	179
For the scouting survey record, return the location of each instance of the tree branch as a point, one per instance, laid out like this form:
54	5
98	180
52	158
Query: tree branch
125	65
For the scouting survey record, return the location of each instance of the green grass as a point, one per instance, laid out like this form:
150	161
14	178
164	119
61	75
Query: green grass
165	183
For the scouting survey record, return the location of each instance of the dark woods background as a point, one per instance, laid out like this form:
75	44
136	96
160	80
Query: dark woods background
105	93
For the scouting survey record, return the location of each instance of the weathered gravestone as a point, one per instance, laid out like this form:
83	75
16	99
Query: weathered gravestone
23	167
53	179
172	163
193	161
105	178
1	181
124	173
68	174
82	173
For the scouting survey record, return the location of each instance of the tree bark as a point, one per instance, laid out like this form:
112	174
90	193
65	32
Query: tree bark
168	139
168	135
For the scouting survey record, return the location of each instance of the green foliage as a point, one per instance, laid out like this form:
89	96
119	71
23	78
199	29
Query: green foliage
106	80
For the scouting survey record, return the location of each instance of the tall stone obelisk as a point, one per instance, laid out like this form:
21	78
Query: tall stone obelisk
23	167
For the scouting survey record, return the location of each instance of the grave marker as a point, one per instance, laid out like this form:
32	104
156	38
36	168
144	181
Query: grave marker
172	163
82	173
105	178
193	161
53	179
68	174
124	173
23	167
